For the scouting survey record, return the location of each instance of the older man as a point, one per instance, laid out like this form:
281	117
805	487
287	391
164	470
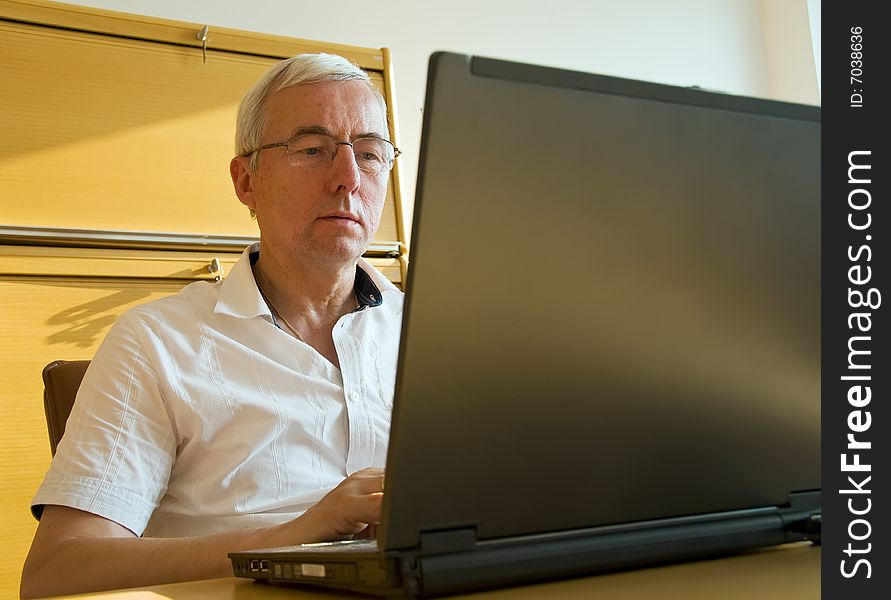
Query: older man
253	412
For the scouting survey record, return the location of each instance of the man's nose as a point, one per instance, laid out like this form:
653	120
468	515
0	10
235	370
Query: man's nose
344	168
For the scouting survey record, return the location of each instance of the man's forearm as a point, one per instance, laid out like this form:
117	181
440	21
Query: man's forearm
84	564
76	551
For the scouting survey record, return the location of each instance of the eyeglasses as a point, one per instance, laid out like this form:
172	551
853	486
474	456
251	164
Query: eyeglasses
373	154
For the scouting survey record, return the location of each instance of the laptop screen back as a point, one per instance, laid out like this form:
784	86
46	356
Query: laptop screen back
613	307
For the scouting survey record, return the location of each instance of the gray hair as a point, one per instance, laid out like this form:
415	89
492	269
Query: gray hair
297	70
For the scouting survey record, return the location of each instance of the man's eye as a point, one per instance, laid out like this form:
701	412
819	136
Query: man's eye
311	151
368	156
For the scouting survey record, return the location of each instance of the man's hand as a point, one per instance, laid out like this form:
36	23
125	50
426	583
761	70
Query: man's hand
353	508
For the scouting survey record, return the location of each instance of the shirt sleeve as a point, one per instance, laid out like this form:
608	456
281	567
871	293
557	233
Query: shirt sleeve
119	444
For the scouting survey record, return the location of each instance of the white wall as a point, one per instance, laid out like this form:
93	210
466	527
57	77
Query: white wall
786	32
815	18
722	45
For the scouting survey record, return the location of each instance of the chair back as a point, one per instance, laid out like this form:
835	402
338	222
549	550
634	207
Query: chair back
61	379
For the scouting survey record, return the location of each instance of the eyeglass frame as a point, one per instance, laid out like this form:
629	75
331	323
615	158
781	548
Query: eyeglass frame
396	151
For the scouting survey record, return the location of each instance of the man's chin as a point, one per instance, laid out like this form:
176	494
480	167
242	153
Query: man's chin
341	250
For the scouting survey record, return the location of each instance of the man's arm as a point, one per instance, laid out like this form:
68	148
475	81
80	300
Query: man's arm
76	551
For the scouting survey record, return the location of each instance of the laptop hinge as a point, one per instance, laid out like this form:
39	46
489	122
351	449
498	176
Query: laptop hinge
444	541
805	499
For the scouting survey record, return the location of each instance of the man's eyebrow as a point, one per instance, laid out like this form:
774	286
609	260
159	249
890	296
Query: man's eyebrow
319	130
311	129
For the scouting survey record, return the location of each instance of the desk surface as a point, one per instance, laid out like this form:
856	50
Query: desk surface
785	572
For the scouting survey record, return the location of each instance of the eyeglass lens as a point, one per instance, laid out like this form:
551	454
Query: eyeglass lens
372	154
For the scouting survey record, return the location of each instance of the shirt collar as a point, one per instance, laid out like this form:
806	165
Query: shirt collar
240	297
367	293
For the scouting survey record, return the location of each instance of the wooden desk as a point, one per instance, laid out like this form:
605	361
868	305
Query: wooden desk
786	573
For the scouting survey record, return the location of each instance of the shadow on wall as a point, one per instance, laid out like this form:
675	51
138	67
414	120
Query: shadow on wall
84	325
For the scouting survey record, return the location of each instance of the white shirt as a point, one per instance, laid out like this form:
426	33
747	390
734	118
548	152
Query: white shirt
198	415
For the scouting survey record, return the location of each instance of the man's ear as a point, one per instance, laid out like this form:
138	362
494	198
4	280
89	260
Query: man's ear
242	180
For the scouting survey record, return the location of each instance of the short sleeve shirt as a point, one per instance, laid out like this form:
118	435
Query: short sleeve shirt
198	415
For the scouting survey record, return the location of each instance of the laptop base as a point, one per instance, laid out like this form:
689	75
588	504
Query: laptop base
360	568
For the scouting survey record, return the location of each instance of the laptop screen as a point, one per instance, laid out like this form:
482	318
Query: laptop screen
613	308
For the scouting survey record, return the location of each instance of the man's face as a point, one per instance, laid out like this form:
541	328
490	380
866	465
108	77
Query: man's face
327	213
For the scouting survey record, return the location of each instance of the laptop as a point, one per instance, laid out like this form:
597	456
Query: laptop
610	353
